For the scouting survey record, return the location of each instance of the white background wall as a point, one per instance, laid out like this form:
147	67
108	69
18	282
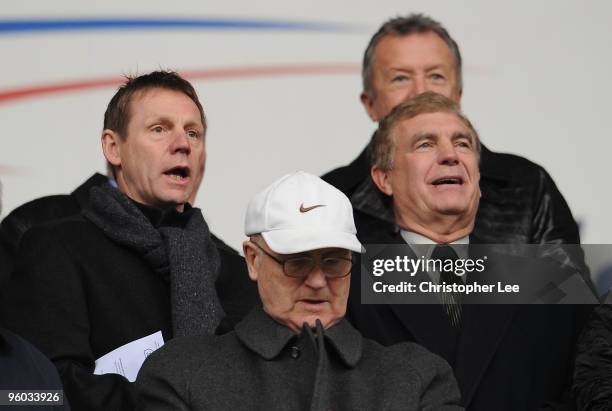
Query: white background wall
537	83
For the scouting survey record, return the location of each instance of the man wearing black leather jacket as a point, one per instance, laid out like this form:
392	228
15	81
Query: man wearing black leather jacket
520	202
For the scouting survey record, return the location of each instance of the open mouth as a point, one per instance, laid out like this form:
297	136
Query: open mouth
448	181
178	173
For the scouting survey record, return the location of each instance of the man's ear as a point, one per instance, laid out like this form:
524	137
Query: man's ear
457	97
111	147
251	255
382	179
368	104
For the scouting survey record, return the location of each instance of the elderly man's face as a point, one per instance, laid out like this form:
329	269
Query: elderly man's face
295	301
406	66
435	170
161	160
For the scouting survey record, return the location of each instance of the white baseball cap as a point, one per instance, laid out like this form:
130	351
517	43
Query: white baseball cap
300	212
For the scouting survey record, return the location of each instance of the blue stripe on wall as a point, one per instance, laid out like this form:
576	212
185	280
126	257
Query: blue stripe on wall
84	24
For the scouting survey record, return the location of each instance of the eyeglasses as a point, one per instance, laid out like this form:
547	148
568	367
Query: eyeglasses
300	267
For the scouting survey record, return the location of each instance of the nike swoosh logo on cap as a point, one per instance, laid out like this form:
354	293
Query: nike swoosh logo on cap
307	209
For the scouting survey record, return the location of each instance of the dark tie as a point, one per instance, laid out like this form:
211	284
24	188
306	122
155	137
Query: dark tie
450	300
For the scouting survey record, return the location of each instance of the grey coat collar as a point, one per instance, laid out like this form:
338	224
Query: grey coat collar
267	338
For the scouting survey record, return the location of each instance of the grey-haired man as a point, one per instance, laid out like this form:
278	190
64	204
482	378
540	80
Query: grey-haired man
296	351
505	356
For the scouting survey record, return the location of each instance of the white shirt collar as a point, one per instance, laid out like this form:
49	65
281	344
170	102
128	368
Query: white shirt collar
412	238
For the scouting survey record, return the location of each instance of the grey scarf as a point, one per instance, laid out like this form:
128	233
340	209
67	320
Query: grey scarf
180	249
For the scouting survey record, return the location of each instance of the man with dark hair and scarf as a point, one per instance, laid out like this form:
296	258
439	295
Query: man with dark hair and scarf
138	259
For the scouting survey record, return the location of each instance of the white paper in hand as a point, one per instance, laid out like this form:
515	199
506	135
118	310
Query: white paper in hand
127	359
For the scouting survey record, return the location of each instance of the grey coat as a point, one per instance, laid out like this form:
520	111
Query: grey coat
263	365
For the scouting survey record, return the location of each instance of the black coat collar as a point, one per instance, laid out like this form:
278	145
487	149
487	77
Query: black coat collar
82	192
267	338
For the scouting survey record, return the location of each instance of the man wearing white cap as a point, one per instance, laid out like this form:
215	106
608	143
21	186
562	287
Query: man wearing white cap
297	351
